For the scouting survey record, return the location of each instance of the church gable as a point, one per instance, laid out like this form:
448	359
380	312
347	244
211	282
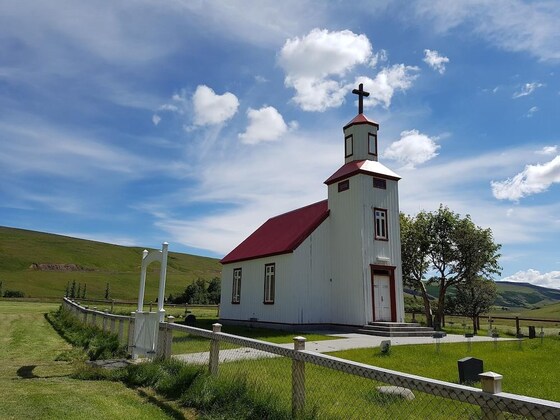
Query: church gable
281	234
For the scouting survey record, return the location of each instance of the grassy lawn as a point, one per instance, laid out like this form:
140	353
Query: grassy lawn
36	386
531	371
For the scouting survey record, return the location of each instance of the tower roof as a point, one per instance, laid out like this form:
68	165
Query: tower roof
281	234
361	119
368	167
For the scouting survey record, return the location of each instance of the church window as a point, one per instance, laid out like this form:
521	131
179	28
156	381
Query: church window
269	276
236	289
372	144
380	219
344	185
380	183
348	145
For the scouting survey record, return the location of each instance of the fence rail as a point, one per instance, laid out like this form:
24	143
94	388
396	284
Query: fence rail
490	401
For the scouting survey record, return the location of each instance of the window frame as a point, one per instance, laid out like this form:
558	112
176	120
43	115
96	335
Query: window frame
370	135
236	286
384	224
269	284
382	183
348	144
344	185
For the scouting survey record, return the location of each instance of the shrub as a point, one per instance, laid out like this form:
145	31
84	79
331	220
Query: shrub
13	294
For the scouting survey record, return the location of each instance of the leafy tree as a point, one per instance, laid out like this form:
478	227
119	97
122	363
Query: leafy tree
84	291
73	289
475	297
67	292
107	292
14	294
459	251
214	291
415	246
79	292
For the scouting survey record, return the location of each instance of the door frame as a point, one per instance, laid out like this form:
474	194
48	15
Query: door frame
386	270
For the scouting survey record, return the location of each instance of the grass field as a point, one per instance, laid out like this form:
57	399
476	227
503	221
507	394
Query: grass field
102	263
36	386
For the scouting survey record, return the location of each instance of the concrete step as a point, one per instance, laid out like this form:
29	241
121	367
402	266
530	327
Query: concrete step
396	333
394	324
396	329
384	328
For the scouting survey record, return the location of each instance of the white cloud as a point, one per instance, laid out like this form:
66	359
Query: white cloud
527	89
531	111
413	148
390	79
311	62
156	119
548	150
379	57
435	61
534	179
550	279
212	109
511	25
265	124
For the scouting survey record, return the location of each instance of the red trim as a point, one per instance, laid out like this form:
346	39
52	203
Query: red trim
390	270
379	238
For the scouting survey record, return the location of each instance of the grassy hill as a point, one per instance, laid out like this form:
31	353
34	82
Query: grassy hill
41	264
518	296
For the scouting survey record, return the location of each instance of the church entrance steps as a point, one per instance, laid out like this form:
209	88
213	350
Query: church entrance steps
396	329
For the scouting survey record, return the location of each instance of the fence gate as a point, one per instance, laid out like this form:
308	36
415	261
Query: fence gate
146	323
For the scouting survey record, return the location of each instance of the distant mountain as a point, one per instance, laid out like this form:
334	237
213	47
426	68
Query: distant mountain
517	295
42	264
525	295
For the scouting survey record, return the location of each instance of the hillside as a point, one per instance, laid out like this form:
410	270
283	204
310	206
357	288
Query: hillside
518	295
41	264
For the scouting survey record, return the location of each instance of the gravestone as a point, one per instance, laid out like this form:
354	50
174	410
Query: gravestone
469	369
385	346
190	320
532	332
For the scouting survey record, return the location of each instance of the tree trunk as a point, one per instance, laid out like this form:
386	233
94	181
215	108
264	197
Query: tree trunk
427	306
439	318
474	325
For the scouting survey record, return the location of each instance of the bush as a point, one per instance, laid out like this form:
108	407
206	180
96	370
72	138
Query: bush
14	294
97	344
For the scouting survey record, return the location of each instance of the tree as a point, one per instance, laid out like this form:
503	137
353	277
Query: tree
459	251
475	297
1	288
107	291
79	292
84	291
415	247
196	292
73	289
214	291
67	292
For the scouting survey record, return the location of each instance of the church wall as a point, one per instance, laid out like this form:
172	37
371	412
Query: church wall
347	304
312	277
252	291
391	249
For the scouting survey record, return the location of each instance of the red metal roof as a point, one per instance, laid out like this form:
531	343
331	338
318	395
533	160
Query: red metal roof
361	119
368	167
281	234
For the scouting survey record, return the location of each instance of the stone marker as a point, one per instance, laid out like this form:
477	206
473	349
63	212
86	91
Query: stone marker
469	369
397	391
532	332
385	346
190	320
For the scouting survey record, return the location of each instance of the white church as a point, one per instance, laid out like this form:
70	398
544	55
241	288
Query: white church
335	263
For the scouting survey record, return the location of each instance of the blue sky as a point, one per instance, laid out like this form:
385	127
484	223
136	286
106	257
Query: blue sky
193	122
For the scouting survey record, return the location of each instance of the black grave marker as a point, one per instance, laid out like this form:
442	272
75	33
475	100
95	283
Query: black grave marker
469	368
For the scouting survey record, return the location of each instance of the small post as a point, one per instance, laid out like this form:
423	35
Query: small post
214	350
542	335
492	383
131	333
121	330
517	327
298	380
168	338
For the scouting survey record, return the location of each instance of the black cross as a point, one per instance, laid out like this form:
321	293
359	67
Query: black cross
361	94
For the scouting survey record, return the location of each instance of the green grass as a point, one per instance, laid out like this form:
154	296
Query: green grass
117	265
36	386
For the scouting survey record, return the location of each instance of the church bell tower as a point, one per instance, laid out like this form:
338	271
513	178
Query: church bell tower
365	230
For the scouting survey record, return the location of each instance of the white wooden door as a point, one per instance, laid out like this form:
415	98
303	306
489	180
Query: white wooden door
382	297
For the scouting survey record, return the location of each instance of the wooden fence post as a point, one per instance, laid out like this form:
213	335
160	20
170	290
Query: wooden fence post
298	380
214	359
492	383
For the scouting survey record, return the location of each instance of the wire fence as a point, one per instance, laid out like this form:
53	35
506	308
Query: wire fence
307	384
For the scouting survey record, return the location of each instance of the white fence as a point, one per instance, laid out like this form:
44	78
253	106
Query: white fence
312	375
